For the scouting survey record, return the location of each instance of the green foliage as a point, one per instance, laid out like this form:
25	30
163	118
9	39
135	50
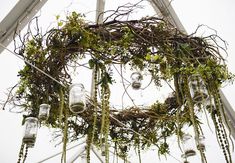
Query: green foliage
163	149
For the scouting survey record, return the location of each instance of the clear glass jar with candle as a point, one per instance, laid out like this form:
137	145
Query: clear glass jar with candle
188	145
201	143
44	110
30	131
77	98
136	78
197	89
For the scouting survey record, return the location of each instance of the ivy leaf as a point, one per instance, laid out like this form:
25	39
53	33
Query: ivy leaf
156	57
57	17
91	63
106	79
60	23
148	57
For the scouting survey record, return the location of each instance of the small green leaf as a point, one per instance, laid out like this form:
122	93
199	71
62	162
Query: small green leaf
60	24
91	63
148	57
156	57
57	17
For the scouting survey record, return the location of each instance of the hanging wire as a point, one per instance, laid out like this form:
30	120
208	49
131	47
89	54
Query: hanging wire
124	125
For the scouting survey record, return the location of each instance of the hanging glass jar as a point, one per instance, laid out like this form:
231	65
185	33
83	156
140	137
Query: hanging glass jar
136	78
201	143
197	89
77	99
44	110
30	131
188	145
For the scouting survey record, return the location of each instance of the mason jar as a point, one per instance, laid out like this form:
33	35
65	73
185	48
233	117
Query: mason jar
198	89
77	98
188	145
201	143
30	131
44	110
136	78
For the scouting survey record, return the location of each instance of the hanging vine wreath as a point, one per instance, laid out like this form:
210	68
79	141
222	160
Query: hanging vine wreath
194	64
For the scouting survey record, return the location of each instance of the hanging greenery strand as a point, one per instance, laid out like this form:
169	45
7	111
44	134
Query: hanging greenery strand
88	144
26	153
95	80
224	143
105	121
63	124
21	153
